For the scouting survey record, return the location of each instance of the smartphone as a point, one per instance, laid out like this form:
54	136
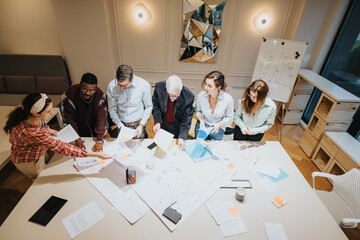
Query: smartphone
151	146
48	210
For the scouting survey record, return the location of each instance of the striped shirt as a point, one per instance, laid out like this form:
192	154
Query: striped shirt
29	143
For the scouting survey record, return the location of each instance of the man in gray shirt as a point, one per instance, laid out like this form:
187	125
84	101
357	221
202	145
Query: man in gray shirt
129	101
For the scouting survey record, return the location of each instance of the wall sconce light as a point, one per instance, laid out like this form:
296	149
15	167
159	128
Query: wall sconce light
141	13
262	20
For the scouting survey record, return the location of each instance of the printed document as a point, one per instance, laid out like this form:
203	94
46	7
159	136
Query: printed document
67	134
83	219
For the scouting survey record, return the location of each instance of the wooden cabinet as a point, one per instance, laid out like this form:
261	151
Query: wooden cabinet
329	115
299	98
337	153
333	112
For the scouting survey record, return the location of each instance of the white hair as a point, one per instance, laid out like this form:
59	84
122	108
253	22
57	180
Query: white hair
174	84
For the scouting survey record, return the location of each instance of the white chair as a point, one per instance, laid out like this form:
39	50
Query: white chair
343	202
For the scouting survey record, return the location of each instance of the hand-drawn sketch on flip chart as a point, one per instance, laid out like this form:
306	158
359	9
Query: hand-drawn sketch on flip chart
278	64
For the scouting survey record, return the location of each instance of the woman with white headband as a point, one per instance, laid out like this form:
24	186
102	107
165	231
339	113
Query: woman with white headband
30	137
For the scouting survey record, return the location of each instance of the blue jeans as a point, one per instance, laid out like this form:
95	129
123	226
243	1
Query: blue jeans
212	136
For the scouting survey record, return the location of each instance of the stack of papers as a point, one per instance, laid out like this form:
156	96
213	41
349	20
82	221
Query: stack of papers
228	217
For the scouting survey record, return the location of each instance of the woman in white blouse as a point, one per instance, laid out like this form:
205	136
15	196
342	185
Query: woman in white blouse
255	112
214	107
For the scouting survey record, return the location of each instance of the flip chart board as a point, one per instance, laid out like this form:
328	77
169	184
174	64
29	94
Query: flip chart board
278	64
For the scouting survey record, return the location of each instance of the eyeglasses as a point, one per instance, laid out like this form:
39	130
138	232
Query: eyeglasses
84	90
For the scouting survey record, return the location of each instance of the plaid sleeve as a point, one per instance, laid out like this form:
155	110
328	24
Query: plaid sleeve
43	137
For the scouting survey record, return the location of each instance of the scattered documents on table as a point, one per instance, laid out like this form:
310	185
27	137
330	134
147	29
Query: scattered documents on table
119	151
111	183
67	134
204	132
180	180
227	216
197	151
83	219
275	231
125	134
163	139
279	201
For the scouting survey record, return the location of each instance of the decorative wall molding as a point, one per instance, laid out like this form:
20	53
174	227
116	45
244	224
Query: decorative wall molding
286	20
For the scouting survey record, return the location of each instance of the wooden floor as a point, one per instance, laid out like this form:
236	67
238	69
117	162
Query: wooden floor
13	184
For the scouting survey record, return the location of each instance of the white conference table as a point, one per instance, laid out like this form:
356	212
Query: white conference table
5	145
303	217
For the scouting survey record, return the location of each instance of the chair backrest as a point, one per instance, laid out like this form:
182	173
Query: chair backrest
347	186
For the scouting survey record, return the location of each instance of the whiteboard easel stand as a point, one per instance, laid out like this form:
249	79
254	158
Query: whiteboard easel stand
282	119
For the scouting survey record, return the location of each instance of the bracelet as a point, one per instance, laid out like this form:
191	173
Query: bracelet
101	141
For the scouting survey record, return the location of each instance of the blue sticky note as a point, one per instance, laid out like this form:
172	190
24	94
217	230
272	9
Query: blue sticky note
280	177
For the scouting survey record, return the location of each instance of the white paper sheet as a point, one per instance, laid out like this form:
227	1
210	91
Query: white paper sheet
233	226
227	215
267	167
163	139
67	134
83	219
125	134
275	231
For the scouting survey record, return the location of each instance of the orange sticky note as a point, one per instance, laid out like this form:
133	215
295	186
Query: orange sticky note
101	161
124	139
124	157
234	211
279	202
230	166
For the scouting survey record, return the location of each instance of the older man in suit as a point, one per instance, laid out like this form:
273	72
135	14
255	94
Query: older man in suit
173	108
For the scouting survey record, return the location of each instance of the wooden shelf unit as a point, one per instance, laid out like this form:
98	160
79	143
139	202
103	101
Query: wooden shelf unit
329	115
335	155
299	98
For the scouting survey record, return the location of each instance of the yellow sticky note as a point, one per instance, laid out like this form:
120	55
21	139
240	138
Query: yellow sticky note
234	211
124	138
230	166
124	157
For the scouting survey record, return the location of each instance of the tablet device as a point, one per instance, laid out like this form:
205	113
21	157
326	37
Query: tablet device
48	210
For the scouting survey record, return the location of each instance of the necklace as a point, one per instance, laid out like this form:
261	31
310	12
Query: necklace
86	101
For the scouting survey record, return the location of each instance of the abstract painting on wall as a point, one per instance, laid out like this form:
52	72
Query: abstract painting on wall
202	28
